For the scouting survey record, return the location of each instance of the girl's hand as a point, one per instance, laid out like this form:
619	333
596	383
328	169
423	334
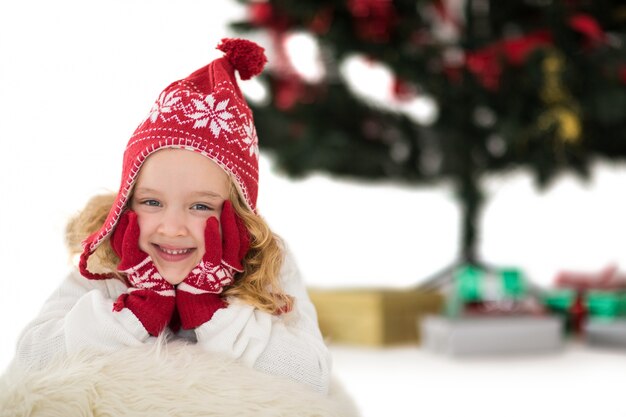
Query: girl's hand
197	297
150	297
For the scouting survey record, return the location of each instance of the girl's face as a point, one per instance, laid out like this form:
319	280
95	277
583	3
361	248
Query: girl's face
176	192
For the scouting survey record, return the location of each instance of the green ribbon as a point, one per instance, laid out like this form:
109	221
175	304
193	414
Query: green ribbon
473	284
559	300
467	280
601	305
605	305
513	282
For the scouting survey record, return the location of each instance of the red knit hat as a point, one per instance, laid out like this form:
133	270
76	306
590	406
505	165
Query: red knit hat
206	113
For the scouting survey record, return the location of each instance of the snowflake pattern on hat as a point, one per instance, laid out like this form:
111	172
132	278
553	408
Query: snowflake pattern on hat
207	110
251	139
183	107
164	104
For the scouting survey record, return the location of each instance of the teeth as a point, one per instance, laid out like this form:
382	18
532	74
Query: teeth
175	252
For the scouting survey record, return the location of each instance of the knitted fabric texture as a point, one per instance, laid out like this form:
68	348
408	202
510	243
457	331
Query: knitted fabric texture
206	113
150	297
197	296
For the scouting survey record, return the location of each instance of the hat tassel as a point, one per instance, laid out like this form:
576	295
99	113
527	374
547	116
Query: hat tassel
245	56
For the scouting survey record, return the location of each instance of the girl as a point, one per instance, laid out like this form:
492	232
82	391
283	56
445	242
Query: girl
180	251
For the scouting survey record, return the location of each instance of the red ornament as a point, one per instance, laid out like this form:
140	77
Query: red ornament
262	14
486	63
516	50
322	20
287	92
403	91
374	19
589	27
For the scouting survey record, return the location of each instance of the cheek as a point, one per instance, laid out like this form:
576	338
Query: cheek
198	235
144	231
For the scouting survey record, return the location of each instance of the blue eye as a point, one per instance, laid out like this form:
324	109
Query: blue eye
151	203
201	207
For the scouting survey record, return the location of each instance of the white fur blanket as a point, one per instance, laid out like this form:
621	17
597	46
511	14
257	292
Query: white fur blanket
161	381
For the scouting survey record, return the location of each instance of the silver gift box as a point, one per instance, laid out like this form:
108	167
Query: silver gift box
610	334
492	335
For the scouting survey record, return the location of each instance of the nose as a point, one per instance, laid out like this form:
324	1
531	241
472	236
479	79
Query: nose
173	223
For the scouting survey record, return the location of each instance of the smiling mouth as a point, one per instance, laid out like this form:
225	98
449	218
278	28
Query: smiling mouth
173	254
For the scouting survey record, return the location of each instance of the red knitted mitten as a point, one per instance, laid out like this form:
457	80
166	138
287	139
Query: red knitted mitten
150	297
197	297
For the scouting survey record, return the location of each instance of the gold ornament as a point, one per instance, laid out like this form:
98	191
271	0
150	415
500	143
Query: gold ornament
562	112
565	122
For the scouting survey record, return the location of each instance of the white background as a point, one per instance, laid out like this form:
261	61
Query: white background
76	77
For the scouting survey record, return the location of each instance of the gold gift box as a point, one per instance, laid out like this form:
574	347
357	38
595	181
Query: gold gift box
372	316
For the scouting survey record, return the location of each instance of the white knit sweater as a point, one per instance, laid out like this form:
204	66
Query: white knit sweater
79	315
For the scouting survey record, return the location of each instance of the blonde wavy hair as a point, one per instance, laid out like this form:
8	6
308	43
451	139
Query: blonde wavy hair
258	285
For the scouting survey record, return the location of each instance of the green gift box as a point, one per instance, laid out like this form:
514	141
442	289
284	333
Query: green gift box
605	305
559	300
473	284
600	305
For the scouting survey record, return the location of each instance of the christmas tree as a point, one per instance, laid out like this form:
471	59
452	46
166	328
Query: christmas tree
536	84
